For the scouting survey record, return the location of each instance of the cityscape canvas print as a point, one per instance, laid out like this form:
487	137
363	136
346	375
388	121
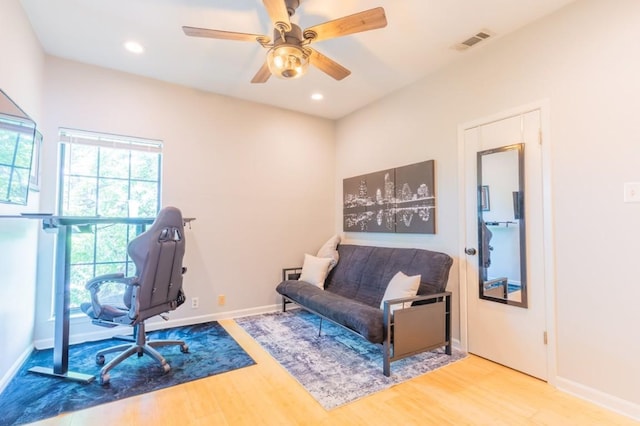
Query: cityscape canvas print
398	200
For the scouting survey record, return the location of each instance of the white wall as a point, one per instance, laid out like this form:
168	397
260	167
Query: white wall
585	60
257	179
21	79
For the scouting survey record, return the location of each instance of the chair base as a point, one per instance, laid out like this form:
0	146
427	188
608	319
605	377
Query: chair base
141	346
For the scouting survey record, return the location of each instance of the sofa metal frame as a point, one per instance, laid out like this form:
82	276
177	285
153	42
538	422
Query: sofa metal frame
423	325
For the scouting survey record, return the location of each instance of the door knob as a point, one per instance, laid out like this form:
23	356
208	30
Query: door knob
470	251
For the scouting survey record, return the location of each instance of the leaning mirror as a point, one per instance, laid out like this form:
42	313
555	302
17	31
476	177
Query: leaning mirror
501	225
17	135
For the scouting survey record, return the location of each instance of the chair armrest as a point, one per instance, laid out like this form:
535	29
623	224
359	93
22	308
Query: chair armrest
291	273
95	282
93	285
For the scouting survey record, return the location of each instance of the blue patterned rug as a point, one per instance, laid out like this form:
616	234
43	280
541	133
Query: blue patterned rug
338	367
30	397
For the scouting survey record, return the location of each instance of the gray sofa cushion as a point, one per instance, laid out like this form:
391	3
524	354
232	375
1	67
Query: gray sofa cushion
363	319
364	272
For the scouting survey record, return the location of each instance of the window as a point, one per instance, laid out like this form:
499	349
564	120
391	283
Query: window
109	176
17	132
16	145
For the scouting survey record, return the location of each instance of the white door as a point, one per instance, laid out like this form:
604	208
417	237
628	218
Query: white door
514	336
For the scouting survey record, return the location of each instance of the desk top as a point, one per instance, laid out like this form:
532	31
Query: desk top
53	221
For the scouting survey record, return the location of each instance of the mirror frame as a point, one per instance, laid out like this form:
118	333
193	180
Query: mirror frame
519	215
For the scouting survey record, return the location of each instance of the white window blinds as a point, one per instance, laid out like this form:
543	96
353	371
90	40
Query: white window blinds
73	136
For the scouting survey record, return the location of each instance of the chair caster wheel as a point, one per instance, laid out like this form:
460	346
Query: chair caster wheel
100	359
166	368
104	379
184	348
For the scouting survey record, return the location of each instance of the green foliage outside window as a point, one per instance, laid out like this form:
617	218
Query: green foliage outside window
105	181
16	150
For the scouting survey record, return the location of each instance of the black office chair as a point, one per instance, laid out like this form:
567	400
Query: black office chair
155	289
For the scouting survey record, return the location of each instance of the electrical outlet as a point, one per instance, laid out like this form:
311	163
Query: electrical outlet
221	299
195	303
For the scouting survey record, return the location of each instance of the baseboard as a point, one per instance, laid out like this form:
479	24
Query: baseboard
610	402
4	381
253	311
156	324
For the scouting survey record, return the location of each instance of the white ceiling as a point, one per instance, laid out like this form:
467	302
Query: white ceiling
416	42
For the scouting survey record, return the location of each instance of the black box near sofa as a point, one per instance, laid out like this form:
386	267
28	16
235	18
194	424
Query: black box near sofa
416	316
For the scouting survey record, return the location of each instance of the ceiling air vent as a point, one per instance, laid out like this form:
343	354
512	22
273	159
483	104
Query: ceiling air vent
473	40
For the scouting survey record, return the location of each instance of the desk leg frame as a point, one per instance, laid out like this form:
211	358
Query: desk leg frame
61	326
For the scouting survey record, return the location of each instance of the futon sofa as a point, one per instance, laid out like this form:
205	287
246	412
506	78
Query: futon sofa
353	298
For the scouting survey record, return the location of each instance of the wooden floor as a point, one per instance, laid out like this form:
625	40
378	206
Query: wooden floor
472	391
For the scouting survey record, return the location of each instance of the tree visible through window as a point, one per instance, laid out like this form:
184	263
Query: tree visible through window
108	176
16	151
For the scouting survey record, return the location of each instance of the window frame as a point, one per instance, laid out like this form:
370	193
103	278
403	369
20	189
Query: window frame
69	137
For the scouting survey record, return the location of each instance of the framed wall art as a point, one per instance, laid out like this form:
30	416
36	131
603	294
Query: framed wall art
400	200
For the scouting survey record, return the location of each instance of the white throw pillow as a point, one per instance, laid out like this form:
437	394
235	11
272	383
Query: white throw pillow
315	270
401	286
329	249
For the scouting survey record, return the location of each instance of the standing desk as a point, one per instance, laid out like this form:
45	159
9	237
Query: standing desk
64	226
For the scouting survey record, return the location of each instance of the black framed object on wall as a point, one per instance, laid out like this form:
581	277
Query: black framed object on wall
400	200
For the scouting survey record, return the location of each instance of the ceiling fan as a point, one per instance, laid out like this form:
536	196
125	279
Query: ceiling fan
289	53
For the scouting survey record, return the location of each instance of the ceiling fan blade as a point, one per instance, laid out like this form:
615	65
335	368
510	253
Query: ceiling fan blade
327	65
262	75
363	21
277	10
218	34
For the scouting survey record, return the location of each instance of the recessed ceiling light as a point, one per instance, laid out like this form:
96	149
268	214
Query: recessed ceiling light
134	47
317	97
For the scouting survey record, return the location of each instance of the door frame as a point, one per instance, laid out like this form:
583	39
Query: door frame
548	236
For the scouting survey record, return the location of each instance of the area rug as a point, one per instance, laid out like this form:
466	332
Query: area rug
338	366
30	397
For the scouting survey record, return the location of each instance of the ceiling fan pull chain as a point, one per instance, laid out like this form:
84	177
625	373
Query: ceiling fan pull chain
282	34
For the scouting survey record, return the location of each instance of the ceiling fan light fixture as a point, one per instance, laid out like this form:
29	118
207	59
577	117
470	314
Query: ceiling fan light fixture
287	61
